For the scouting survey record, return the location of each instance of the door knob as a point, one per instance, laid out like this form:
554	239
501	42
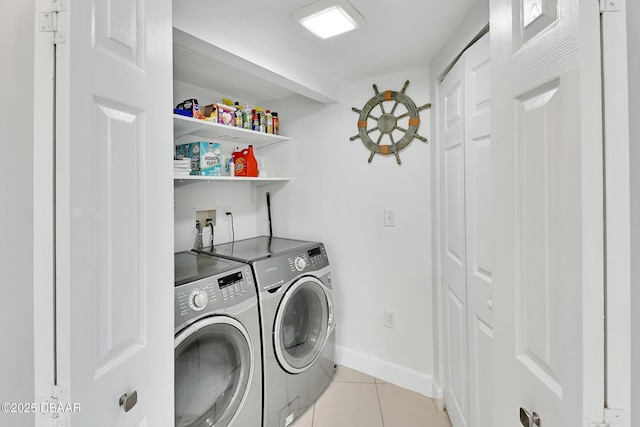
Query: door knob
529	420
128	401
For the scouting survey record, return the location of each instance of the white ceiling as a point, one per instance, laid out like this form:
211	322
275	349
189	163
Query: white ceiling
397	35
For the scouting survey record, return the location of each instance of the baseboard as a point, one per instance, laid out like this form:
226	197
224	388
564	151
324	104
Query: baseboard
386	371
438	396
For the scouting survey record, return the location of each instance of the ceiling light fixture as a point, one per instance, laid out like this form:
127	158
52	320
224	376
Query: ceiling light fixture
328	18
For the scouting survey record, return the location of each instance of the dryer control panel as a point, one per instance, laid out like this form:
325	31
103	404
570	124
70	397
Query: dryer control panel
313	259
276	271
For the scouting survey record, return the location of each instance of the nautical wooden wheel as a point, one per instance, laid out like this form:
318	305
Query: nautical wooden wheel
387	123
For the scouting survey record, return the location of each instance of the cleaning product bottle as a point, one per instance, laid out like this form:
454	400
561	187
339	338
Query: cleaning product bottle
251	163
237	121
262	121
227	162
247	118
276	123
239	162
256	121
269	119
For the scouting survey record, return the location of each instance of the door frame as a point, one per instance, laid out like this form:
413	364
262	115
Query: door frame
43	216
473	27
617	179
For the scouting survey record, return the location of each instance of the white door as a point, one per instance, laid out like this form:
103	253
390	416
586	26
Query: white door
465	95
114	216
547	190
477	177
454	282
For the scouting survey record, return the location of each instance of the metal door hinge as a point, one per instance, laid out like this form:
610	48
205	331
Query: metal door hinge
610	5
49	405
59	5
48	21
612	418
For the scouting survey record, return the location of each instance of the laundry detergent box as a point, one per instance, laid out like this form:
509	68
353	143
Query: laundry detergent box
226	114
182	151
206	158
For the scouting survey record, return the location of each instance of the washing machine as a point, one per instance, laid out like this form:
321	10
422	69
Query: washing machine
218	353
296	309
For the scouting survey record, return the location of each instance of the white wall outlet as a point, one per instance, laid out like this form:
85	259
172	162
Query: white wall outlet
204	215
389	218
389	319
226	209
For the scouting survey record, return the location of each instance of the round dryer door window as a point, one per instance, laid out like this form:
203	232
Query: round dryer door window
301	324
213	371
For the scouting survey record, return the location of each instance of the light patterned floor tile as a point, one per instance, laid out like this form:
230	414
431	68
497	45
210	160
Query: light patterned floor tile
348	405
348	375
404	408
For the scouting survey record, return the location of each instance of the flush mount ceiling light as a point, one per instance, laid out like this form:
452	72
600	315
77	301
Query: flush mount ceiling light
328	18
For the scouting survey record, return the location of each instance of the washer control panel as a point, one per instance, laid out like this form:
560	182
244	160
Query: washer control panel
196	296
196	299
233	285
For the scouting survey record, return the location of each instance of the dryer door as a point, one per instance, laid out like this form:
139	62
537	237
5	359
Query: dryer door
213	371
302	324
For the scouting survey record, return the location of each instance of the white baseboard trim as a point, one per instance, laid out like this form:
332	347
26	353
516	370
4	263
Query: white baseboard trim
438	396
386	371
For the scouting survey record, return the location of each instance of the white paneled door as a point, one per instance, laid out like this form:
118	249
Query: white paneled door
547	187
114	216
477	176
466	236
454	280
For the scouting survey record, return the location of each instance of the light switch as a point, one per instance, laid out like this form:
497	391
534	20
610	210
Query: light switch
389	218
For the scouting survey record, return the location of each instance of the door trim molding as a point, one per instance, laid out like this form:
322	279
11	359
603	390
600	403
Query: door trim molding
43	217
613	26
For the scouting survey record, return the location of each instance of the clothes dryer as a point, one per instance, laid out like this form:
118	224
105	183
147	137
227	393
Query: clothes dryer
295	296
218	367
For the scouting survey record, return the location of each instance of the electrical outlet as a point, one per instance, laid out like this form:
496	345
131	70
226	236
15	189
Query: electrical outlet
224	211
204	215
389	319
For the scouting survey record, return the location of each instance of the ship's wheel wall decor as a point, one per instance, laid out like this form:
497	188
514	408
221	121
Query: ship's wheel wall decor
387	123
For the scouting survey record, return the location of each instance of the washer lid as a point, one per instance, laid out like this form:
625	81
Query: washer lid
191	266
257	248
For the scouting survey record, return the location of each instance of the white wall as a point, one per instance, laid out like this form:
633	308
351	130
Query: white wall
16	256
336	197
633	46
233	197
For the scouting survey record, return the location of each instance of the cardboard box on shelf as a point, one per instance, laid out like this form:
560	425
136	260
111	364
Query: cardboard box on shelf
226	114
206	157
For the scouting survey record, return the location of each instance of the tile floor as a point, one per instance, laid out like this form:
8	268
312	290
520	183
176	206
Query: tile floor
355	399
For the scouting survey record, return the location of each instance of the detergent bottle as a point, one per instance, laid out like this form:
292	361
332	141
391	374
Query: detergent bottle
251	162
239	162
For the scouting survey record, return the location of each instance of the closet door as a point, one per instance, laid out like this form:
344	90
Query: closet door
453	245
114	194
466	245
477	171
